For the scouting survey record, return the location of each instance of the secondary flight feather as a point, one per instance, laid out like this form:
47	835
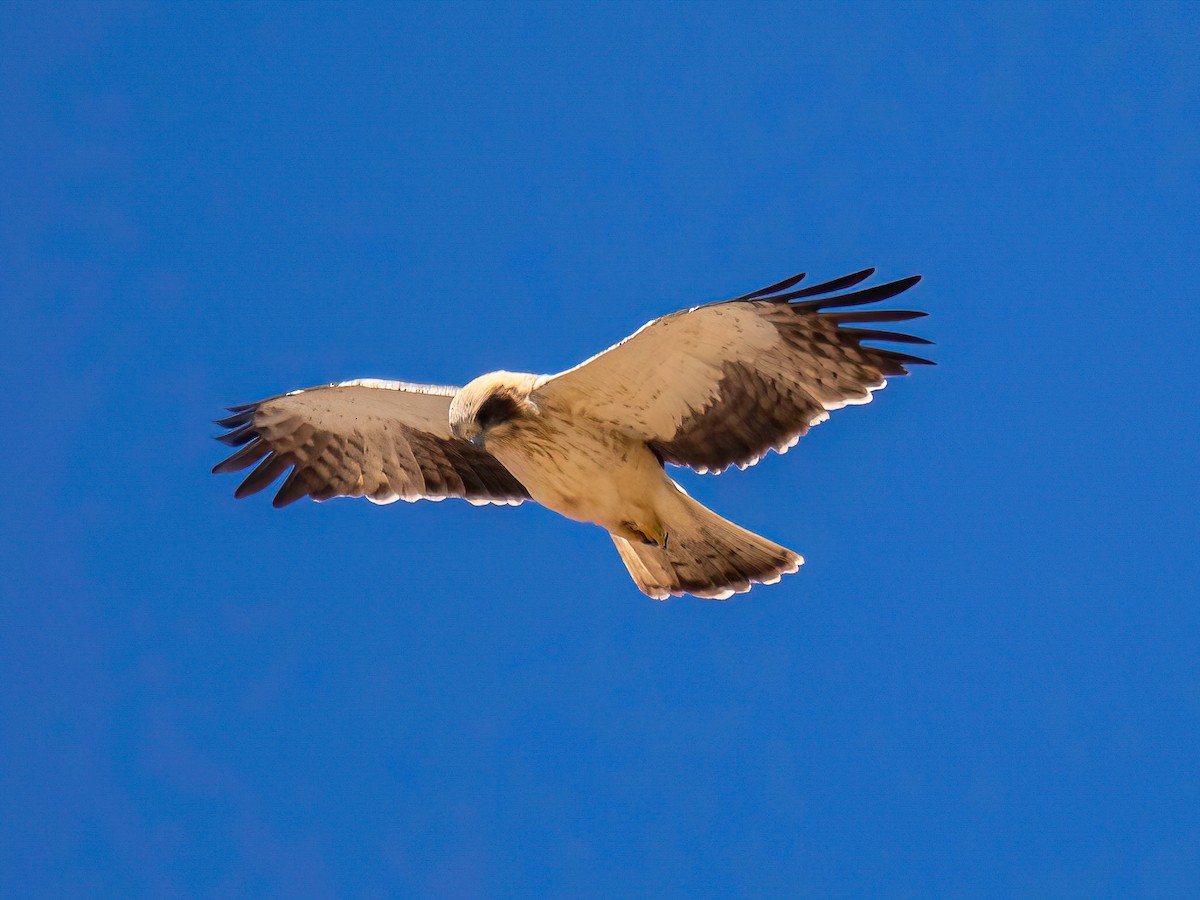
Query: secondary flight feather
710	387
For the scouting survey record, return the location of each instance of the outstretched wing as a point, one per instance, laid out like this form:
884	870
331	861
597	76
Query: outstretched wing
383	440
721	384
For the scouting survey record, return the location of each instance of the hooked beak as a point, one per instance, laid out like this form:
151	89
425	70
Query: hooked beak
469	432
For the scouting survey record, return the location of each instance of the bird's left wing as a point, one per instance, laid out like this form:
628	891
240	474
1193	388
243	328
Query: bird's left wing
383	440
721	384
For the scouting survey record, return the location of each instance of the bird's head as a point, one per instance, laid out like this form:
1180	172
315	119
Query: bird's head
491	406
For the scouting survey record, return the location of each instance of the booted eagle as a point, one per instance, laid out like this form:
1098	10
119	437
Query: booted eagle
710	387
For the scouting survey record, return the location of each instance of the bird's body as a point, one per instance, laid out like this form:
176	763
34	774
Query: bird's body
572	463
709	387
587	473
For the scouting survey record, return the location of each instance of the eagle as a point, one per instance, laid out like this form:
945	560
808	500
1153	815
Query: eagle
707	388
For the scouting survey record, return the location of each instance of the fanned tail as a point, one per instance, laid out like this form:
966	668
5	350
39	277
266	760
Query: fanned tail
705	555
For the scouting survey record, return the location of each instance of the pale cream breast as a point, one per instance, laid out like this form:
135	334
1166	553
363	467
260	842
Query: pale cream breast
582	469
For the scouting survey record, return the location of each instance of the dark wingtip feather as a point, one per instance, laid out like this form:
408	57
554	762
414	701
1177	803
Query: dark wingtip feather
239	418
875	315
904	359
293	488
241	435
774	288
247	456
264	473
826	287
871	334
860	298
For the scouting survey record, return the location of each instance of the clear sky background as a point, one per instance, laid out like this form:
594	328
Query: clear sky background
985	681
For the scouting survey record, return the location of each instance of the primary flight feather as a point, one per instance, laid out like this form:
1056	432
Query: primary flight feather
710	387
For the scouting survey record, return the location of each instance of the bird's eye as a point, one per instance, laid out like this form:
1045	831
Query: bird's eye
496	409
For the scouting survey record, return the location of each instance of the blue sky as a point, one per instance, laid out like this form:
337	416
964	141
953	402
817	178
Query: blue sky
985	679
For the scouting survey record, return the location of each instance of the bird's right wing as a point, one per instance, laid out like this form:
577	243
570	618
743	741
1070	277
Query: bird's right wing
383	440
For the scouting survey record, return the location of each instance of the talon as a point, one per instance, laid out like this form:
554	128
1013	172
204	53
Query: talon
656	534
651	536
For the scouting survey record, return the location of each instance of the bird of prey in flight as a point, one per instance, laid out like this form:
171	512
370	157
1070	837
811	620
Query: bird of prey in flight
710	387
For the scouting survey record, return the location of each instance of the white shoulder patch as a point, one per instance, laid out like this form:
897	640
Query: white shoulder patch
441	390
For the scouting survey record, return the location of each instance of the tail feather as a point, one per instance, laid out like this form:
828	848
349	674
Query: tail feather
706	556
